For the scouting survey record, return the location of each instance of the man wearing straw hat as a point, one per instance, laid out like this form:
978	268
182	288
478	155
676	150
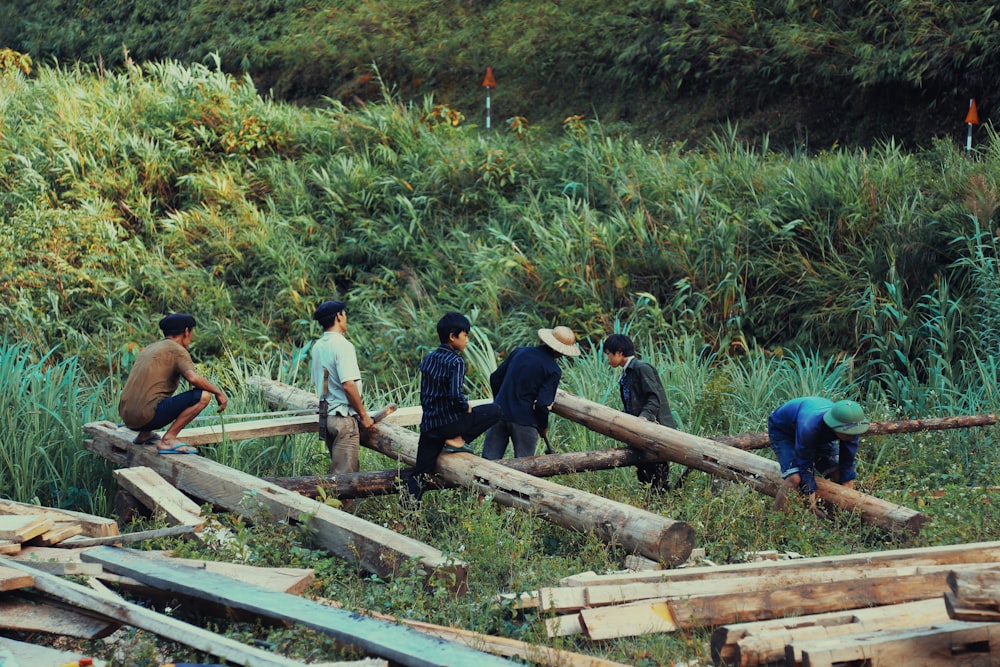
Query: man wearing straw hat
524	387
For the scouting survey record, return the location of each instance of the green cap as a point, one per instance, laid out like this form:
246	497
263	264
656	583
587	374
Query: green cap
847	417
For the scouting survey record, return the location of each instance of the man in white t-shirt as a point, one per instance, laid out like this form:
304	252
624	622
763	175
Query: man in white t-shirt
334	353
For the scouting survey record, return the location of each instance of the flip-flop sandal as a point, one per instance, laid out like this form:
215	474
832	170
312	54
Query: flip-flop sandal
147	441
178	449
455	450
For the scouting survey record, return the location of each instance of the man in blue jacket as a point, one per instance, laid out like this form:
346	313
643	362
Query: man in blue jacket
813	434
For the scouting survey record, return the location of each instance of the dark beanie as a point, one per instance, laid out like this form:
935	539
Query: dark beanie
327	312
176	323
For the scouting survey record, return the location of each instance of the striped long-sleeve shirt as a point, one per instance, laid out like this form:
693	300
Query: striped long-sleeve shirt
442	374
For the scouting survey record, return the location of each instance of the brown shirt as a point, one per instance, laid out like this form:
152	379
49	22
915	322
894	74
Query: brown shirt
155	376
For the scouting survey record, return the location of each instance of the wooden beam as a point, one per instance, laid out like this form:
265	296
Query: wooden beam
164	626
24	527
160	496
126	538
652	535
944	645
726	462
393	642
11	579
763	642
713	610
375	547
951	554
41	656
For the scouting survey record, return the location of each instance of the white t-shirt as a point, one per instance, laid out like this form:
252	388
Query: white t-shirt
335	353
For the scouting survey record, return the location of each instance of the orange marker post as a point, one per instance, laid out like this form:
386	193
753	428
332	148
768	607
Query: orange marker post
488	82
971	118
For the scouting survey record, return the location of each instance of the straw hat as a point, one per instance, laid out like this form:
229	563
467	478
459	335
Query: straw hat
560	339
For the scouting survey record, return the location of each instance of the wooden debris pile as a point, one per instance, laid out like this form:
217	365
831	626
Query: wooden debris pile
839	610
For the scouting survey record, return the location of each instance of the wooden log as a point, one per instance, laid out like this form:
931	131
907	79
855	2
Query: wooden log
726	462
763	642
812	598
375	547
944	645
652	535
131	614
93	526
160	496
382	482
395	643
759	440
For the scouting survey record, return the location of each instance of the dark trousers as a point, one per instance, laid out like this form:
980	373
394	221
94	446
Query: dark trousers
470	426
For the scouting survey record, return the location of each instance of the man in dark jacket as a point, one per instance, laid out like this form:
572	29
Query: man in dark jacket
642	396
524	386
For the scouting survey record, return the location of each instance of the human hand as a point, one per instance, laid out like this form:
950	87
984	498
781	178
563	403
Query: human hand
222	400
367	422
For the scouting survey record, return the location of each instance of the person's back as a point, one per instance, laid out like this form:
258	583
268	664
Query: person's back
155	375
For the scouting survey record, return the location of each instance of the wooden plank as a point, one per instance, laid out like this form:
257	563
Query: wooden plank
11	580
638	530
976	588
131	614
33	613
375	547
764	642
26	654
375	637
293	580
160	496
964	611
24	527
93	526
9	547
562	600
945	645
60	531
812	598
726	462
976	552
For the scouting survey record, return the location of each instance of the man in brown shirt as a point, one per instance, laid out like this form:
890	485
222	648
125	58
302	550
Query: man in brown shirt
148	402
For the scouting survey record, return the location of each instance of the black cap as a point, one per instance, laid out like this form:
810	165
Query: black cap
176	323
327	312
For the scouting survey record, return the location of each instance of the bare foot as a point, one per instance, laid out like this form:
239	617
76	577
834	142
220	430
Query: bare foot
457	442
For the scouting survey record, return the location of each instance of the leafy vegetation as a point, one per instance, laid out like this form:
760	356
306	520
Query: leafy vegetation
816	72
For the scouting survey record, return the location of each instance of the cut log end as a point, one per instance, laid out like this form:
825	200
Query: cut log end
675	544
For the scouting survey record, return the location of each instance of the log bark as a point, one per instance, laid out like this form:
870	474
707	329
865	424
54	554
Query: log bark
758	440
652	535
726	462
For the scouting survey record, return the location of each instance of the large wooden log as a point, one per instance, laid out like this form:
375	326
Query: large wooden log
758	440
374	547
726	462
652	535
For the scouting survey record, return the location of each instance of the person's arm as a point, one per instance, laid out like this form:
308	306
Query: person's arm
354	400
848	454
545	398
198	382
457	381
650	391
